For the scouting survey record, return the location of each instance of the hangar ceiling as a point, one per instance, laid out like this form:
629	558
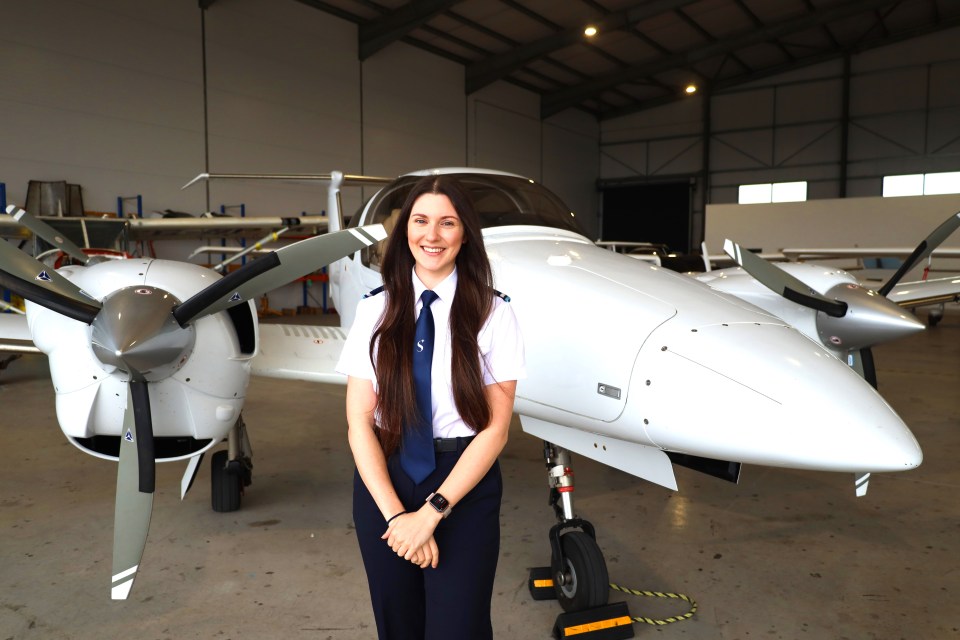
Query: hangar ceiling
645	53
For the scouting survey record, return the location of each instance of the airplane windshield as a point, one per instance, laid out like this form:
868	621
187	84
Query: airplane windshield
500	201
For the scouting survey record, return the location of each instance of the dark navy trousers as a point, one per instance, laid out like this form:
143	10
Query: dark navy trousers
453	600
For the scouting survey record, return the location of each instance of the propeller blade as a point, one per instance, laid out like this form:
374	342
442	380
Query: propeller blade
190	474
922	252
40	284
48	233
781	282
276	269
135	486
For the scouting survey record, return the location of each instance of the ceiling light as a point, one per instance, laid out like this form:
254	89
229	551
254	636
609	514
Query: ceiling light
590	31
691	89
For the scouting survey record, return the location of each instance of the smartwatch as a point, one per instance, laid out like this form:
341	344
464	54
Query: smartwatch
441	504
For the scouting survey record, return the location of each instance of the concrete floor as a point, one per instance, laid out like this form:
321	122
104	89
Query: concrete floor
786	554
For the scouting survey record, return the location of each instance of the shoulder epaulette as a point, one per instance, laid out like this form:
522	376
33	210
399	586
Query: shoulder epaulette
374	292
501	295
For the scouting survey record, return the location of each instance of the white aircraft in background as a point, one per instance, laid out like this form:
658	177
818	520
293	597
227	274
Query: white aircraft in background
830	306
638	368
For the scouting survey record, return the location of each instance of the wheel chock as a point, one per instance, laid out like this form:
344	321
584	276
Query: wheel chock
541	584
609	622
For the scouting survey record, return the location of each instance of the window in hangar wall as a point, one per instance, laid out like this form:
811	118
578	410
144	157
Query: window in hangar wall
920	184
658	213
772	192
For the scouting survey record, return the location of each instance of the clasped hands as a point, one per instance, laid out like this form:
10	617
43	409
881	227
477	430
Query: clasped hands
410	536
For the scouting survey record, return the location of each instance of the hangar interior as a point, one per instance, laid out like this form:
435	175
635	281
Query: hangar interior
134	99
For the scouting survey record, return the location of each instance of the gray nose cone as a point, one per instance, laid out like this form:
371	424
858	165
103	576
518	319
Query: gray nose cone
870	319
136	332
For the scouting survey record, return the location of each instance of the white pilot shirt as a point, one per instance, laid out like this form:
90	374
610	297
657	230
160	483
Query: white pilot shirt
500	342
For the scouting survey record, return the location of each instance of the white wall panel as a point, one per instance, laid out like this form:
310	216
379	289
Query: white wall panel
571	165
889	91
284	97
809	101
677	119
804	145
904	117
103	96
505	139
744	150
624	160
743	109
413	111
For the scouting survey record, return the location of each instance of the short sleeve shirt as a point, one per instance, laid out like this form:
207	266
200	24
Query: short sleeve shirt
500	342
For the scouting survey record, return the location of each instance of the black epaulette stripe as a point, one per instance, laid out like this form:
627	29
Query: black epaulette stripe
373	293
502	295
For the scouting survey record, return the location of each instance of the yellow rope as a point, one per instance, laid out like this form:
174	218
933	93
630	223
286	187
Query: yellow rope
658	594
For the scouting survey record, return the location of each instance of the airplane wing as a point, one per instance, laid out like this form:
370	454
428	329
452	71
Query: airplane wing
251	227
106	232
299	352
805	254
925	292
14	334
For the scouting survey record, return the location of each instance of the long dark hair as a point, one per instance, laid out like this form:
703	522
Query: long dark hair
392	341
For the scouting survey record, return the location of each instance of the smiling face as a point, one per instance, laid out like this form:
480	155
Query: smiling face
434	235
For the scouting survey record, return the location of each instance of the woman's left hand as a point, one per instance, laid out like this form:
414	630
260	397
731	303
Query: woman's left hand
409	532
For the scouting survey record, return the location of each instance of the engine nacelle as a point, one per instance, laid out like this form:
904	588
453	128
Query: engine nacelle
200	398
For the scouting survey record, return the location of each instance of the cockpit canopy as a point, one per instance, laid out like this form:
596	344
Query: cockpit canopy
500	200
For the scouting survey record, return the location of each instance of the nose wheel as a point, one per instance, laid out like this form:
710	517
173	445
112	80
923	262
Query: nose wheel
580	574
577	575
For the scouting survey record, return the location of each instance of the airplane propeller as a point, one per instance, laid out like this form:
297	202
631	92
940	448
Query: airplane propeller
922	252
779	281
855	317
34	281
42	230
146	333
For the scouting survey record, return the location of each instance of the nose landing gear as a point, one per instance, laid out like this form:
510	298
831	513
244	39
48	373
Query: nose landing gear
577	575
577	567
231	471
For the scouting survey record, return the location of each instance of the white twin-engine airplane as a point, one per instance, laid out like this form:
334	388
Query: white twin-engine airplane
615	350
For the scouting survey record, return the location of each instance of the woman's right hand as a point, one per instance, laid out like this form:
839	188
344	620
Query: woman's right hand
427	556
411	532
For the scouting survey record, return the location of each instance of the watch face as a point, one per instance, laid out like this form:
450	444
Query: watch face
439	502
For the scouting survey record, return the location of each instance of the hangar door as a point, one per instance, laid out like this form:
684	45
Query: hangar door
648	213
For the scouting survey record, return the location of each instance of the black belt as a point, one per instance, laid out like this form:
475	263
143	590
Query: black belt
447	445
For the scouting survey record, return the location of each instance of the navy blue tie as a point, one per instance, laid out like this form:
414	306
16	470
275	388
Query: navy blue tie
416	454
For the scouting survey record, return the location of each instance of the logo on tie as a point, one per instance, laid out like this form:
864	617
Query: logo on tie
420	346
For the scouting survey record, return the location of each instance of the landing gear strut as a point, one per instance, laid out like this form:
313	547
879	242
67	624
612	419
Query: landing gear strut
231	471
577	567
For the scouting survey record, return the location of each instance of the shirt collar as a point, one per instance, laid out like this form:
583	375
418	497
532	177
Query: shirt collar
445	290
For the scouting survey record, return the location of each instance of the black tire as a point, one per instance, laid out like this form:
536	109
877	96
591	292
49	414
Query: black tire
589	584
224	484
